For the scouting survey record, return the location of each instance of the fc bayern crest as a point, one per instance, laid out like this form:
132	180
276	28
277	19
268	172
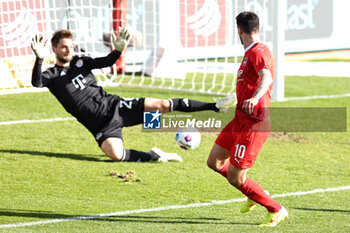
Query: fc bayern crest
79	63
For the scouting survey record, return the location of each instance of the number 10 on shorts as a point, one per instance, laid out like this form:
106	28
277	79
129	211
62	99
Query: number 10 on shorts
240	151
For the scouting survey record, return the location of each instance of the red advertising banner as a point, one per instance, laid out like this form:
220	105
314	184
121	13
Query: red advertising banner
20	20
204	23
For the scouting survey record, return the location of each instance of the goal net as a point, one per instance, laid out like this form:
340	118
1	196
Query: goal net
188	45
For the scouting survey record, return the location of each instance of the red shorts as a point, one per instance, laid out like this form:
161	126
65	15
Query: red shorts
244	137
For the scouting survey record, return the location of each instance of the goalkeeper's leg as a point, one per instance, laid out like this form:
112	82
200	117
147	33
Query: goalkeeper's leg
113	148
182	105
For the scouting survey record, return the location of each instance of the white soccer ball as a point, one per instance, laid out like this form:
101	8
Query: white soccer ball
188	138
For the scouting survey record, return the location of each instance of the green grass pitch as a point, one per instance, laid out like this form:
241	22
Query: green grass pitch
55	170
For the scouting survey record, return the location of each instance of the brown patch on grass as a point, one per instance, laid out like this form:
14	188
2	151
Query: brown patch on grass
215	133
284	136
128	177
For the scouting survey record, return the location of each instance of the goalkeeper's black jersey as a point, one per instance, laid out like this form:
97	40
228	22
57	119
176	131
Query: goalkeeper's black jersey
76	89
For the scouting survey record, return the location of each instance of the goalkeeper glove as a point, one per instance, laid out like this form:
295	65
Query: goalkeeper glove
39	46
122	40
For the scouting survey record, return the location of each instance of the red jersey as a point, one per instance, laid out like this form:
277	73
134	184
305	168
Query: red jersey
257	57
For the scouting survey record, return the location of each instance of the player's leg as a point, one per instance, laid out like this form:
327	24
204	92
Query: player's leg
218	160
220	153
243	156
131	113
256	194
114	149
110	140
236	176
186	105
152	104
182	105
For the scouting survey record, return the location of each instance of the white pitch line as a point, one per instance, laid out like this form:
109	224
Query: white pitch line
35	121
313	97
172	207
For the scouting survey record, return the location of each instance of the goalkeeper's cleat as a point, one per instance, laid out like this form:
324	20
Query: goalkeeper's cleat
272	219
249	204
226	102
162	156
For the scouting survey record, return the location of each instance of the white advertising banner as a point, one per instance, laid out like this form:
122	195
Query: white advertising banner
206	28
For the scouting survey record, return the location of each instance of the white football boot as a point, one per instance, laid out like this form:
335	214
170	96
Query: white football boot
165	157
226	102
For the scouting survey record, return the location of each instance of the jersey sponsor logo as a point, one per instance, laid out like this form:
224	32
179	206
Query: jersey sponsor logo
152	120
79	81
79	63
239	73
98	135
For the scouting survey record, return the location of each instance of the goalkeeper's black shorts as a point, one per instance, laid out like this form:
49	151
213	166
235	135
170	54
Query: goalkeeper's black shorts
128	112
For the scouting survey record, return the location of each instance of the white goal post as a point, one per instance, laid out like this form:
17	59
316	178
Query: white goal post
188	45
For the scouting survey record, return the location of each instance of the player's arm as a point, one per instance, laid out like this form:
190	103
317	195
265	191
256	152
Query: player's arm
102	62
39	48
264	84
119	43
37	73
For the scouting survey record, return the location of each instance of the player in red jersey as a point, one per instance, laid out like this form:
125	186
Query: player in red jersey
236	148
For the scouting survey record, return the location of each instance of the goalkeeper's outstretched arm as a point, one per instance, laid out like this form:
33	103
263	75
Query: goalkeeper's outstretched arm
37	73
39	48
102	62
119	43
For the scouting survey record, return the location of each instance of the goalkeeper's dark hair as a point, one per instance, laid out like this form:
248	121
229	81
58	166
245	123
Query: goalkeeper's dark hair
248	21
60	34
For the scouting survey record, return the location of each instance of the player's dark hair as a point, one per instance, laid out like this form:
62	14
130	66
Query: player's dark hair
60	34
248	21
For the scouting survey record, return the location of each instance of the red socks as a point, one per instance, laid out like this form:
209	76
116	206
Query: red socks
256	193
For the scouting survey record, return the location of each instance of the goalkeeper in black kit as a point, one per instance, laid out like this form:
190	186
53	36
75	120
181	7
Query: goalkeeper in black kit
75	87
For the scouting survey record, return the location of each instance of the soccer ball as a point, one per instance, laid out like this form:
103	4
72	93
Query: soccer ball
188	138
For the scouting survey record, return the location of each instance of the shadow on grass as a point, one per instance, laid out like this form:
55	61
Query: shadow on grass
323	210
57	155
171	220
32	214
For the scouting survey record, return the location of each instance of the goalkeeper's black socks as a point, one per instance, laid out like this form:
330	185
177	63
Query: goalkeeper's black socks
187	105
138	156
